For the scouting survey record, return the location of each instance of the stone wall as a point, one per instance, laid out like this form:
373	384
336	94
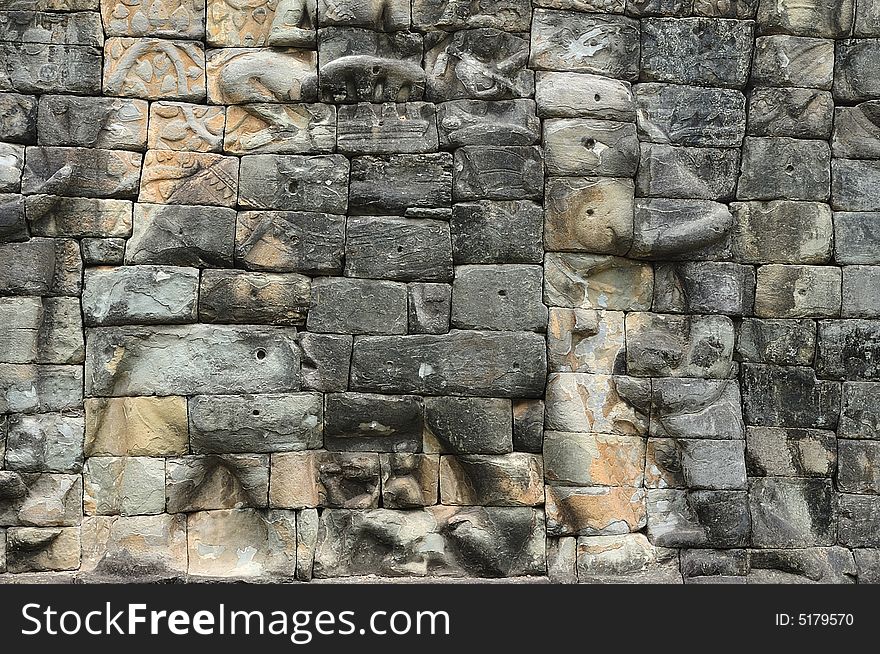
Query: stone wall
586	290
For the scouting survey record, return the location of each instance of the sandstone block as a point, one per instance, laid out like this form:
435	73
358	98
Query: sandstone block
585	340
184	126
854	62
400	183
294	128
704	287
409	480
498	173
858	467
570	95
19	118
76	28
41	330
103	251
860	295
562	560
386	128
141	295
487	122
508	15
371	422
695	464
154	69
40	499
39	388
782	232
123	486
690	115
793	112
599	404
585	281
155	18
823	565
81	172
11	165
860	416
797	291
343	480
700	518
859	519
261	23
357	306
252	75
826	18
672	172
52	215
784	168
573	459
50	68
428	308
681	229
403	249
580	146
467	425
113	123
628	558
856	131
32	549
503	298
848	349
253	297
307	524
294	182
793	61
13	226
776	396
594	511
325	361
286	241
135	426
515	479
696	408
49	442
589	214
774	340
854	185
792	512
172	177
177	235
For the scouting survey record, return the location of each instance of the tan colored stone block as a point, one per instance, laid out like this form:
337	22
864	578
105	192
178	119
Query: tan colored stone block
40	499
205	483
628	558
280	128
136	426
138	548
261	22
589	215
585	340
599	404
30	549
184	126
589	281
572	459
171	18
243	75
154	69
194	178
324	479
514	479
599	511
409	480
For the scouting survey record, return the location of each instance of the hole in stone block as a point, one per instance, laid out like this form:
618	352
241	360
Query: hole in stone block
261	354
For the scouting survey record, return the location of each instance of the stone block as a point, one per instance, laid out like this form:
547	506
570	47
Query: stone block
627	558
191	178
342	480
792	169
293	128
860	416
290	241
508	15
388	16
467	425
155	18
699	518
867	565
792	512
184	126
822	565
294	182
50	68
695	464
855	62
487	122
179	235
371	422
357	306
190	359
41	266
598	404
582	146
11	166
40	499
498	173
234	296
596	511
664	345
261	23
582	95
671	172
103	251
856	238
681	229
776	396
154	69
824	18
586	340
19	118
409	480
704	287
81	172
782	232
696	408
859	520
49	442
559	43
307	524
515	479
856	132
113	123
52	215
386	128
41	330
275	422
39	388
123	486
562	560
793	61
792	112
402	249
854	185
586	281
428	308
400	183
690	115
502	297
256	75
32	549
867	19
577	459
140	295
589	214
858	467
778	341
136	426
797	291
475	363
711	562
13	226
326	360
860	292
642	8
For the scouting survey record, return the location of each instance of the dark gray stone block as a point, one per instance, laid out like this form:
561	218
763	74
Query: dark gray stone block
776	396
497	231
357	306
499	297
400	183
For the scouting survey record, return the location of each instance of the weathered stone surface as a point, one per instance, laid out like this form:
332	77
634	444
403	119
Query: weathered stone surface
39	388
294	182
793	112
11	165
187	236
859	520
245	75
172	177
115	123
13	226
509	15
493	122
586	340
221	424
52	215
824	18
628	558
357	306
611	49
594	511
690	115
498	173
403	249
792	512
860	298
136	426
681	229
504	298
481	64
856	132
50	68
41	330
776	396
579	146
569	95
856	238
672	172
307	524
81	172
103	251
599	404
562	560
50	442
275	128
30	549
325	361
124	486
155	18
783	342
498	364
359	65
823	565
782	232
642	8
589	214
400	184
778	167
438	541
371	422
409	480
216	541
704	287
232	481
854	78
858	467
428	308
142	548
386	128
709	562
253	297
665	345
183	126
19	114
515	479
285	241
154	69
261	23
185	360
695	464
342	480
854	185
583	281
573	459
700	518
141	295
796	61
463	425
797	291
40	499
860	416
696	408
696	51
867	565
